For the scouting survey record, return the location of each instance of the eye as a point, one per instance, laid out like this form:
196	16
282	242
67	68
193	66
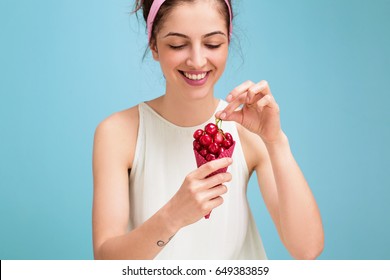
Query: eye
212	46
177	47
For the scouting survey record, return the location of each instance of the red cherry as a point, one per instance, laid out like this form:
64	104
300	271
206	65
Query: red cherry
218	138
198	133
205	140
228	136
227	143
197	145
214	148
211	129
203	153
212	141
210	157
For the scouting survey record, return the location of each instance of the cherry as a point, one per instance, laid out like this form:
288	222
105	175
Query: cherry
214	148
227	143
228	136
218	138
211	129
197	145
211	141
198	133
205	140
210	157
203	153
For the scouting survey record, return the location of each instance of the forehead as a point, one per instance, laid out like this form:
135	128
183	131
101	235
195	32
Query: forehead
198	16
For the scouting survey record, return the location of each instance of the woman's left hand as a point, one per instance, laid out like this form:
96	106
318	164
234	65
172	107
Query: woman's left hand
259	113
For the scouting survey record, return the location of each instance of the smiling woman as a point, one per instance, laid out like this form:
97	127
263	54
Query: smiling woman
149	196
188	56
181	42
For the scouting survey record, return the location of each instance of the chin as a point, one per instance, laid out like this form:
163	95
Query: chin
199	93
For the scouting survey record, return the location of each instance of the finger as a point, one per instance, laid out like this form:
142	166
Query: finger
213	203
257	91
231	107
236	116
216	191
241	95
238	90
206	195
267	101
212	166
216	180
218	114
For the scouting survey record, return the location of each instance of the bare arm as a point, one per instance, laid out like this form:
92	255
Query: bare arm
284	188
111	205
290	201
112	157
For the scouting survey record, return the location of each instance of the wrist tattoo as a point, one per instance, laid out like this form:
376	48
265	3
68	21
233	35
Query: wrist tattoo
161	243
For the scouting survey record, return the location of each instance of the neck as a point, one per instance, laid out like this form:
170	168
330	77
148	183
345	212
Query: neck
186	112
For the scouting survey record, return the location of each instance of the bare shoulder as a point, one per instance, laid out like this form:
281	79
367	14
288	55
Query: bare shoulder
118	133
253	147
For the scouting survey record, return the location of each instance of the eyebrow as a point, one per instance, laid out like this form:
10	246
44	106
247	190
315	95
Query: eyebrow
187	37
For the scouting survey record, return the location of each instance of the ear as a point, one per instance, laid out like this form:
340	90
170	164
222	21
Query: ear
153	48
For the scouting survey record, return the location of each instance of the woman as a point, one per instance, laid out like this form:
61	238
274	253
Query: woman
149	196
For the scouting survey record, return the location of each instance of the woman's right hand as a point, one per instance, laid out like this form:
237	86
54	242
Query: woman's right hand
199	195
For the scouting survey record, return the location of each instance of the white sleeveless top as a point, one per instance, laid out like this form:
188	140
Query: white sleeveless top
163	157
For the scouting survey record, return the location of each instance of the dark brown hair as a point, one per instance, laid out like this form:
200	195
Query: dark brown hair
167	7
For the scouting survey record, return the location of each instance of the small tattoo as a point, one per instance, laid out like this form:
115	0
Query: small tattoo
161	243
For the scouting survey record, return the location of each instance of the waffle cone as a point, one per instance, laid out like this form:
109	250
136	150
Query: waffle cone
200	160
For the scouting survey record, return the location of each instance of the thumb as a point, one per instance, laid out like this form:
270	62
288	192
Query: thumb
235	116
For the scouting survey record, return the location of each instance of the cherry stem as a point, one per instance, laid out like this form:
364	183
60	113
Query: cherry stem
218	123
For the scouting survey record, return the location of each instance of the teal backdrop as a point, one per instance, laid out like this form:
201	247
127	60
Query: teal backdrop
65	65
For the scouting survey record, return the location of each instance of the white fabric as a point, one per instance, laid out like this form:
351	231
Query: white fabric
163	157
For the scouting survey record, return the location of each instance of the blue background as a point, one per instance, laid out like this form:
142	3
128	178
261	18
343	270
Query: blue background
67	65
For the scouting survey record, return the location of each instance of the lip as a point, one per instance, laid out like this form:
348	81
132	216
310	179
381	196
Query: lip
193	82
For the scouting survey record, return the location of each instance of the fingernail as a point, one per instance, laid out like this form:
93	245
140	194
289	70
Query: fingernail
223	115
228	98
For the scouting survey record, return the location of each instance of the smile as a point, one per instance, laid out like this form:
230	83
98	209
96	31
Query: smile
195	77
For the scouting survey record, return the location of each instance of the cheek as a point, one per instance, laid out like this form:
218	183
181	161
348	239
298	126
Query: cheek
171	60
219	59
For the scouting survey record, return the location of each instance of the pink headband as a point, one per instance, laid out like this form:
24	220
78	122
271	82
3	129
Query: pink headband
156	6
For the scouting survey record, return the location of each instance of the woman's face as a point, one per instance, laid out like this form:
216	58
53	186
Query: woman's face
192	48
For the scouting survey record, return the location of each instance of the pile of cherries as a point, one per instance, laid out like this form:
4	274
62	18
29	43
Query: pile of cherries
212	141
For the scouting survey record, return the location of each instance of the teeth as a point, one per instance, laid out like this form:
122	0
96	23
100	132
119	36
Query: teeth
194	76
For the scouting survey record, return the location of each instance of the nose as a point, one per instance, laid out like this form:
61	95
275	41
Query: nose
196	58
